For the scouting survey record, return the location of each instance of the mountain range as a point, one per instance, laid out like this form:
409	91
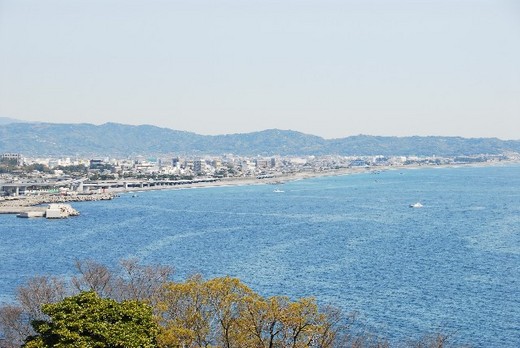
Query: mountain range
113	139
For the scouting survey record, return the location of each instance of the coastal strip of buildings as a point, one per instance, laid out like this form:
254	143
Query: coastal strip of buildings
24	176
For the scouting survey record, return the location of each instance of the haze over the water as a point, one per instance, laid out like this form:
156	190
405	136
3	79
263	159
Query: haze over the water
330	67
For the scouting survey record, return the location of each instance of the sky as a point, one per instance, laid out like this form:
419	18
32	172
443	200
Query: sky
325	67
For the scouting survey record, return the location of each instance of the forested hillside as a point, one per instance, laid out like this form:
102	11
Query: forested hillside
111	139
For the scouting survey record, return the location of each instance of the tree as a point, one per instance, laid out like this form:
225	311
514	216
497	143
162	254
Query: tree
184	315
14	326
200	313
132	282
263	320
278	322
15	319
223	312
94	277
226	298
87	320
141	282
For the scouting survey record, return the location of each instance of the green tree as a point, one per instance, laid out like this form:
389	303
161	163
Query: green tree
87	320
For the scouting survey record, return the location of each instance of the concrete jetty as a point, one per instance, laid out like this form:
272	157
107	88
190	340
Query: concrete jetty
32	203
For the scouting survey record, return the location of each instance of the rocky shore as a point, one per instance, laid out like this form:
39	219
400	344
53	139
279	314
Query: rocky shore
23	204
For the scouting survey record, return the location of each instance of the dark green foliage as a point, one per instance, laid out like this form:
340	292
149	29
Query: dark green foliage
73	169
87	320
37	166
8	165
11	166
8	162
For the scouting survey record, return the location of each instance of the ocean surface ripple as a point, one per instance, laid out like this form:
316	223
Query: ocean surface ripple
452	266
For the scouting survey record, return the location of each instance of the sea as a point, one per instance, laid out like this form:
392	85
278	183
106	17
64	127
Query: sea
352	241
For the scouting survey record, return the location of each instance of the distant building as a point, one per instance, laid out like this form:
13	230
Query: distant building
12	157
53	163
216	163
199	166
381	160
96	164
261	163
358	163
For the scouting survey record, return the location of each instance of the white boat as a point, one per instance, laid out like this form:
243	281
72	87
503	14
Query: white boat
416	205
278	191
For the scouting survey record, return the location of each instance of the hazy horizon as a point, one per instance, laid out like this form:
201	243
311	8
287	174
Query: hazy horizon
328	68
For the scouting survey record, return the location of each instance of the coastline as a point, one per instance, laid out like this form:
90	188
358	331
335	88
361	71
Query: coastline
24	204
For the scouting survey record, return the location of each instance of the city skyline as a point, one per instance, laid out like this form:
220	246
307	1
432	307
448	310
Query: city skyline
329	68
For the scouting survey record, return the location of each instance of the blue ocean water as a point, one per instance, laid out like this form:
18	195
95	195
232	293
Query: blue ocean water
452	266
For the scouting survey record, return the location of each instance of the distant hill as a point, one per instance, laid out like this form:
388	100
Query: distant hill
112	139
8	120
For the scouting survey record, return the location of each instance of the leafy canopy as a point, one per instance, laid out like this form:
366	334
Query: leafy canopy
87	320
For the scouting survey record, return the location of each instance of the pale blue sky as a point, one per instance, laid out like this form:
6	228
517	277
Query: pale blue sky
324	67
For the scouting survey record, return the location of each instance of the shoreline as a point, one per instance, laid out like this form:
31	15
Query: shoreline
25	204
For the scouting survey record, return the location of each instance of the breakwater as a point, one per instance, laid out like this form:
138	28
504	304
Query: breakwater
24	204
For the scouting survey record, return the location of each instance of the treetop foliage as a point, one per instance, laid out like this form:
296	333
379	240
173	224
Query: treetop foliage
140	306
87	320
